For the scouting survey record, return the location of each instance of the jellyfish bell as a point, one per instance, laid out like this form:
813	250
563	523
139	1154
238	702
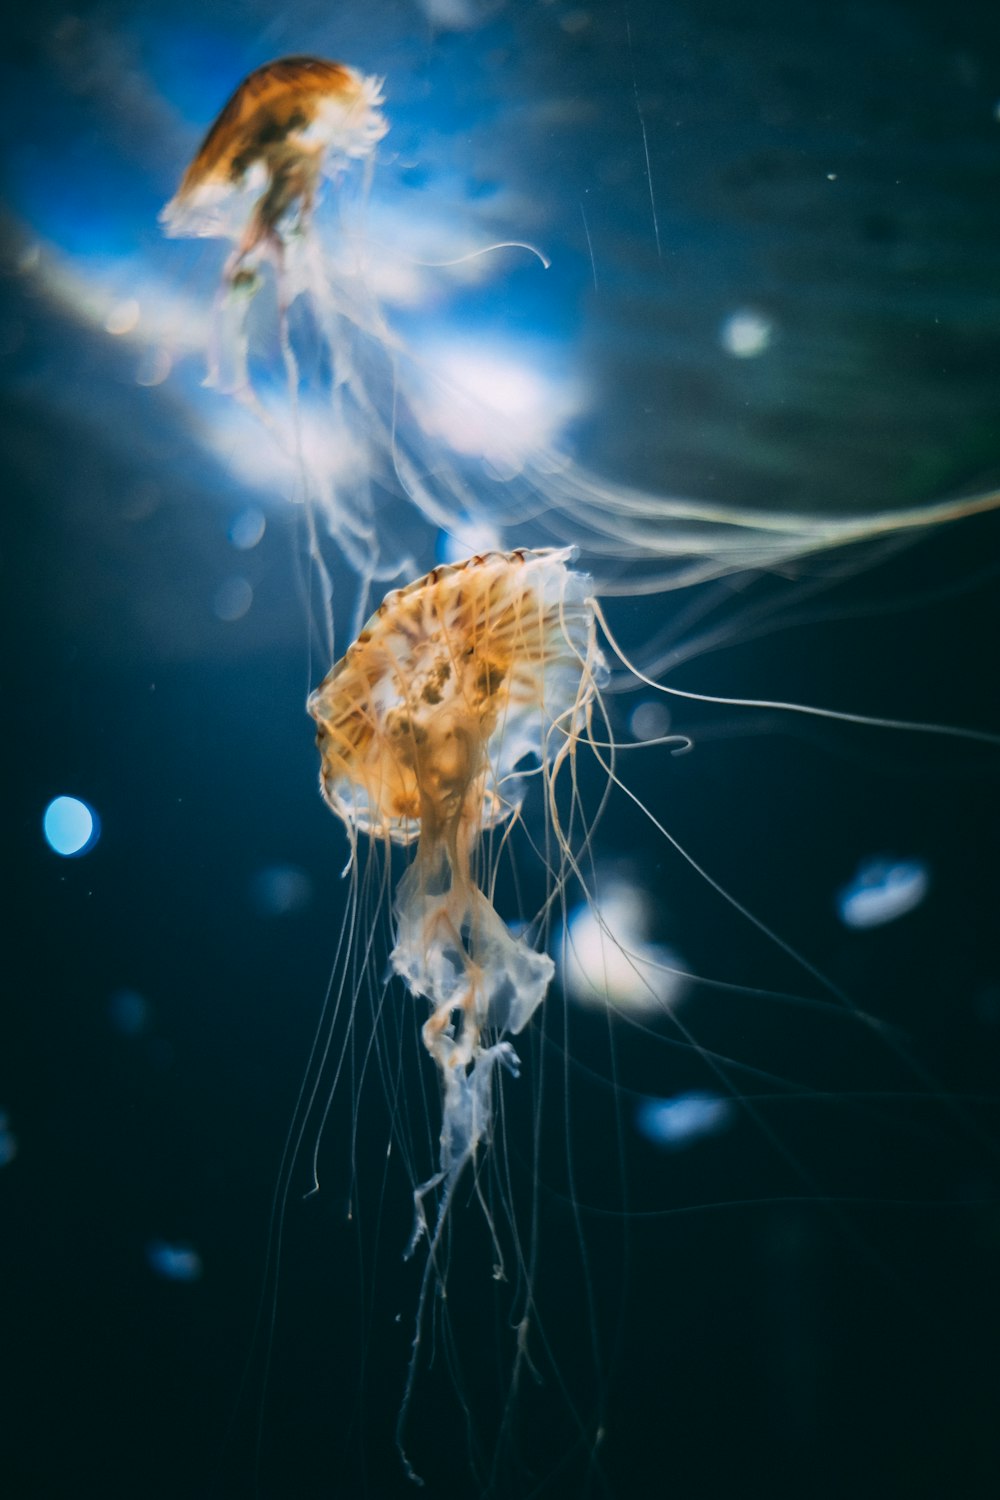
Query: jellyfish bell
287	125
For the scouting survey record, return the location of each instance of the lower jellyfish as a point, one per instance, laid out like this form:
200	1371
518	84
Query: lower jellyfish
459	686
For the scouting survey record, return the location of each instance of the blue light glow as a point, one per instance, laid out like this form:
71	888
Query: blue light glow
233	599
129	1012
684	1119
8	1141
280	889
173	1262
883	890
246	528
70	826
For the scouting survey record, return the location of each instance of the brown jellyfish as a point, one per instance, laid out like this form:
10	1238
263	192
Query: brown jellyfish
255	178
286	125
457	684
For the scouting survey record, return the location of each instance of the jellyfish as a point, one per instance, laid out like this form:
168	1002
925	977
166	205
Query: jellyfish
456	682
460	686
256	180
289	124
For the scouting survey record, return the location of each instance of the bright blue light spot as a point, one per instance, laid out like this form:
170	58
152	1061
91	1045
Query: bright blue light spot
465	539
173	1262
685	1118
883	890
70	826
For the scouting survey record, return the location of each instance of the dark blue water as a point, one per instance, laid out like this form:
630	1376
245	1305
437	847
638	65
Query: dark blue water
804	1303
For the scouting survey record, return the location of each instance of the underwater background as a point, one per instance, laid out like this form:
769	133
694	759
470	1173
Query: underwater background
774	237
